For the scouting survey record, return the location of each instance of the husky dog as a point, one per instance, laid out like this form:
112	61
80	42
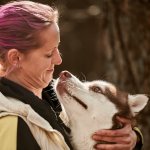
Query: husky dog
91	106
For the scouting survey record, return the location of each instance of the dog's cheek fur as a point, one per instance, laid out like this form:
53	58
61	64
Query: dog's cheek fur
121	102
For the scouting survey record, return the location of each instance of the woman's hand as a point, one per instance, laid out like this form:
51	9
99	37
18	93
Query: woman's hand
123	139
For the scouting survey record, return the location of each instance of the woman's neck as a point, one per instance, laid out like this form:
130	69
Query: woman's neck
31	86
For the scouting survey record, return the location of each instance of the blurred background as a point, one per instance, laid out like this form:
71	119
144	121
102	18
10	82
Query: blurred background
107	40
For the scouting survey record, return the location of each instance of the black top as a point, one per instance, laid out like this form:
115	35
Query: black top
48	108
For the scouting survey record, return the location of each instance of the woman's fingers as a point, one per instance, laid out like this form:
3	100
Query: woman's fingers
119	139
113	139
112	147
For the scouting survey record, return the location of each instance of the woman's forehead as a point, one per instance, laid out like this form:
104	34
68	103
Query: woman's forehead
50	37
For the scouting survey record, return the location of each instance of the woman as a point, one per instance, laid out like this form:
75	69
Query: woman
29	40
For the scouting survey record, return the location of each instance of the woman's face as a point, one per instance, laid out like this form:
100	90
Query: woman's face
37	66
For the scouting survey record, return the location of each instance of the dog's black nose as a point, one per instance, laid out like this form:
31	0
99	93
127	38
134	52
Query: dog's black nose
65	74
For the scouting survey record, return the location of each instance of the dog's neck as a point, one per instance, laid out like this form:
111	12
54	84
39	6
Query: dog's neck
83	132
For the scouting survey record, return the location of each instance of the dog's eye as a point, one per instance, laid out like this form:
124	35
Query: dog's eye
96	89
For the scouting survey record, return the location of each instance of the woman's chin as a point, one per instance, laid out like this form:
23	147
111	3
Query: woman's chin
47	81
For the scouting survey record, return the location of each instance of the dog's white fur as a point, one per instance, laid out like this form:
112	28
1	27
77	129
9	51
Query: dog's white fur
83	121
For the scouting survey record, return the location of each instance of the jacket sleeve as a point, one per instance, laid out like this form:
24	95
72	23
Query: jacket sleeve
16	135
139	143
8	133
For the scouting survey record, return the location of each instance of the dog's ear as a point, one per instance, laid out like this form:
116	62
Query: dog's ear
137	102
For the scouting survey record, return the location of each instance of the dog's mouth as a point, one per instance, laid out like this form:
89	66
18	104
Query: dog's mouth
77	100
64	90
61	87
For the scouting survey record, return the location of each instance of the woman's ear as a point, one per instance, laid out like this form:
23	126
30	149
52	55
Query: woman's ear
13	56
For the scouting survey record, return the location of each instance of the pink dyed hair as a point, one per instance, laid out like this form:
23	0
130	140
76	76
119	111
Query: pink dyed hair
20	23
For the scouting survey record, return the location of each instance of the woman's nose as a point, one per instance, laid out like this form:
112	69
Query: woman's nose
57	60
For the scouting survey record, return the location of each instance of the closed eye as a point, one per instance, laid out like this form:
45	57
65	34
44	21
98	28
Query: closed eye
48	56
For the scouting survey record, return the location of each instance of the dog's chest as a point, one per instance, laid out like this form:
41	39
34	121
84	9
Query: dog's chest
81	133
82	139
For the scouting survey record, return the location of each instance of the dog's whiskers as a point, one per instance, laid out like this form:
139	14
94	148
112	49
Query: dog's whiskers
83	75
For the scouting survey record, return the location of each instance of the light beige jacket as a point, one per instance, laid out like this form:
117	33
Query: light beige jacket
45	135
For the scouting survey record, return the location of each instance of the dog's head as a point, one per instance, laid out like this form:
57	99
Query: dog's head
98	100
